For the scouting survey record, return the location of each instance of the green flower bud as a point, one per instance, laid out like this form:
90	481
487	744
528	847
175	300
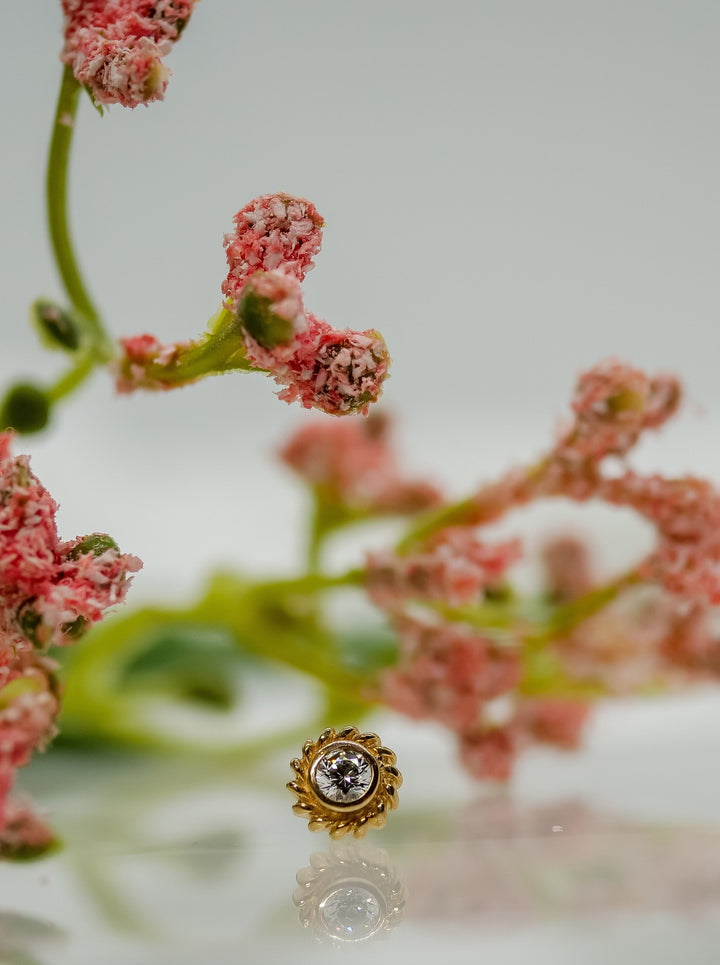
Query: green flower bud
95	543
76	629
26	408
57	328
261	323
31	624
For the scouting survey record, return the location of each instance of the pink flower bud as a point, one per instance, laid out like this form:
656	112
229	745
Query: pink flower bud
275	231
116	47
336	371
613	404
139	354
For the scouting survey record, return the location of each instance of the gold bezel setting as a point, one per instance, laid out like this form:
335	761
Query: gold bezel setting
354	817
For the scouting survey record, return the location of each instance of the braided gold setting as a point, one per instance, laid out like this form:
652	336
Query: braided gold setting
345	782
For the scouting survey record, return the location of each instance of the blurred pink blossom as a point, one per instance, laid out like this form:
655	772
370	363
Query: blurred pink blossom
116	47
352	463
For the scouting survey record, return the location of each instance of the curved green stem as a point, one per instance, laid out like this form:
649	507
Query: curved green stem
73	377
488	504
57	193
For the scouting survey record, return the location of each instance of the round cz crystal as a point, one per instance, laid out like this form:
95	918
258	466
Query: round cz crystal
344	774
351	913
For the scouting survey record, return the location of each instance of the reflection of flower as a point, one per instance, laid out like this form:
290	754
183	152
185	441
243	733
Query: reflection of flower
514	863
351	894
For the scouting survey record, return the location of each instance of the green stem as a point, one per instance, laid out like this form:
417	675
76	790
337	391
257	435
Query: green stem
316	537
73	377
314	582
488	504
515	619
570	615
60	237
220	349
462	513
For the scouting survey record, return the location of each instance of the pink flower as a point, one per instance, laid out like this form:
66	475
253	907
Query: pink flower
133	370
351	463
489	753
28	537
455	569
686	513
447	672
335	370
322	367
49	589
50	592
274	231
29	706
567	568
552	720
613	404
116	47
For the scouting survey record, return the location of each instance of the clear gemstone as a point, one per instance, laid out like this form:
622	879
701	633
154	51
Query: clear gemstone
350	913
344	775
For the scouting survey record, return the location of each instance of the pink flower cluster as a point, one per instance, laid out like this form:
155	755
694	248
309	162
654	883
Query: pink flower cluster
447	672
275	231
351	464
264	324
451	673
489	751
141	354
50	592
336	370
115	48
686	514
657	630
456	568
613	405
685	511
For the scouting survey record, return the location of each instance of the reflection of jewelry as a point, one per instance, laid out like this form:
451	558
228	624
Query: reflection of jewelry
349	895
345	782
